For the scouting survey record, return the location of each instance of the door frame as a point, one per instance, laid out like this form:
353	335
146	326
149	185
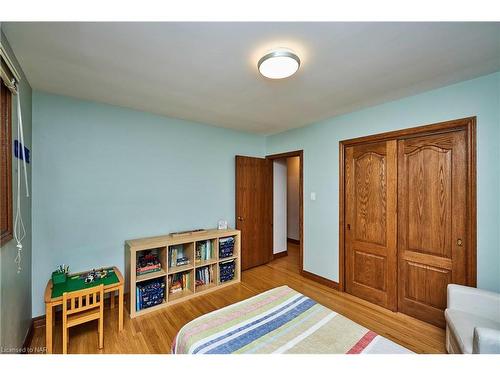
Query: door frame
300	154
467	124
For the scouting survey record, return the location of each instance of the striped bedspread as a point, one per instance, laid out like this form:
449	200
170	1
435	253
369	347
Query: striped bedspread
280	320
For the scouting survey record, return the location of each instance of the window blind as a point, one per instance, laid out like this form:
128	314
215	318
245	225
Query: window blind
8	72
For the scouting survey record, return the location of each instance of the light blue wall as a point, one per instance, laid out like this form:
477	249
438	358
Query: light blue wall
479	97
15	288
103	174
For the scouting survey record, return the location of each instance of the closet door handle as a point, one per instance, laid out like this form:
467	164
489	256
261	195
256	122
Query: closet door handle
459	242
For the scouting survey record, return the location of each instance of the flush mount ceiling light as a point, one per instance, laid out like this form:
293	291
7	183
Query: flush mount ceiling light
278	64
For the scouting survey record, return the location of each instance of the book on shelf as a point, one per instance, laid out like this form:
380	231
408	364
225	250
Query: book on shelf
179	282
176	287
142	271
176	256
197	254
204	275
149	268
182	261
147	262
204	250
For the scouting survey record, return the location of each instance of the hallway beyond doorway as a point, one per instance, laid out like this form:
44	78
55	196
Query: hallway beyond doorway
289	262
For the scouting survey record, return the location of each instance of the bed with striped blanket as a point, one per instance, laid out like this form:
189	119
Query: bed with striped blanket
280	320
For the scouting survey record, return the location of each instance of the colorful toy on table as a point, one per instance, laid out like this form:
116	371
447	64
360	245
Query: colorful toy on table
63	269
94	275
78	281
59	275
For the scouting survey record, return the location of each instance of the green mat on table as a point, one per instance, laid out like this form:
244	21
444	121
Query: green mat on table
74	283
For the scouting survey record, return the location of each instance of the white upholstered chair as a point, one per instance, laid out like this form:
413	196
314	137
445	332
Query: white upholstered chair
472	320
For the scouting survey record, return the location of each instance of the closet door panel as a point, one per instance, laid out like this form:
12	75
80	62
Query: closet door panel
429	200
370	195
431	222
370	270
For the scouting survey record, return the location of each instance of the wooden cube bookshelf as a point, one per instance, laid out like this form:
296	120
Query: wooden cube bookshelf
133	248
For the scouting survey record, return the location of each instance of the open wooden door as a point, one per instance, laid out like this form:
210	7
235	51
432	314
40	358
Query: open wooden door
254	209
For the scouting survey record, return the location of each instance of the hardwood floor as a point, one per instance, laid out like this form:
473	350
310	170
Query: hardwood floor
291	262
154	332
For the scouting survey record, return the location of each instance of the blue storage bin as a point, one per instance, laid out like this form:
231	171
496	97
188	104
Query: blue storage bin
226	271
150	293
226	247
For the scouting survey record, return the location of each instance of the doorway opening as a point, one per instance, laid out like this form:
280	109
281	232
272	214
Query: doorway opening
287	208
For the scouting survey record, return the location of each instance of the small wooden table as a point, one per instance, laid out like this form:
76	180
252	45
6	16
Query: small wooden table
50	303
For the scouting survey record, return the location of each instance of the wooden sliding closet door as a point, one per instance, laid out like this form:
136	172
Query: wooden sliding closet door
432	219
371	234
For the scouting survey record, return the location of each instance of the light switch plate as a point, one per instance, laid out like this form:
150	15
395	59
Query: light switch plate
313	196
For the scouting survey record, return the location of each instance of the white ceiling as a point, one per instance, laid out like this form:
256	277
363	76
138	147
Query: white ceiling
206	72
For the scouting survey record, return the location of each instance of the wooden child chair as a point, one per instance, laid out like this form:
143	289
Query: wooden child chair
80	307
